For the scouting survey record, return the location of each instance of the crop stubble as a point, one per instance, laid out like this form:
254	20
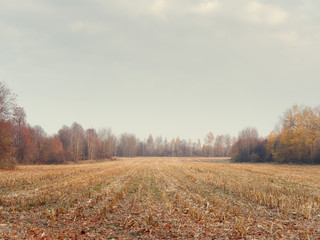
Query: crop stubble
160	198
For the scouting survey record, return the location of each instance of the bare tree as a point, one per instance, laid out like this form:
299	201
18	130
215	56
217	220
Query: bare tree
108	143
150	146
227	144
218	148
128	145
159	147
7	102
243	149
77	141
7	105
209	143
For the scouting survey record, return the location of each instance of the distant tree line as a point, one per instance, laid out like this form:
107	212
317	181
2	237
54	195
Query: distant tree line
23	144
295	140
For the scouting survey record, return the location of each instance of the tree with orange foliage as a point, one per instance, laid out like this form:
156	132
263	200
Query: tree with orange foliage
298	140
93	144
51	151
24	138
7	150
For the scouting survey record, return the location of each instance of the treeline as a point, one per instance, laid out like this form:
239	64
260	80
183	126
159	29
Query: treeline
295	140
129	146
23	144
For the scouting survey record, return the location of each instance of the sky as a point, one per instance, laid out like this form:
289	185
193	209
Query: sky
166	67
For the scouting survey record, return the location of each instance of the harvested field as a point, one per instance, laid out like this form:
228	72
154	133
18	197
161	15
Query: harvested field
160	198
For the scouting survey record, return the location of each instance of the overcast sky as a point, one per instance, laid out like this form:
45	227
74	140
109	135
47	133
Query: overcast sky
171	67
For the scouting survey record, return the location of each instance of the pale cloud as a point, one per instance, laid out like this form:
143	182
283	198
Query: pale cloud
153	8
86	27
258	13
288	37
30	6
206	7
292	38
164	51
9	31
255	12
158	7
163	9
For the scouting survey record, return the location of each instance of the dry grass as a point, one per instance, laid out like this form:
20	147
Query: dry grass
160	198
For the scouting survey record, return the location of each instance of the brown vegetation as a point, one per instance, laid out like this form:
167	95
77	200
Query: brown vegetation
160	198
